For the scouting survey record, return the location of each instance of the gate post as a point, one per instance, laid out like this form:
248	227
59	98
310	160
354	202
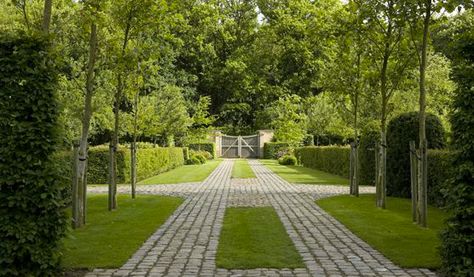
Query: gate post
239	145
263	137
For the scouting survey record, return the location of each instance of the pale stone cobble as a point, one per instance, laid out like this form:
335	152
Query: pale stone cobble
186	244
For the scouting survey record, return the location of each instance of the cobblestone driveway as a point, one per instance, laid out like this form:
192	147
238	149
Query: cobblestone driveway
186	244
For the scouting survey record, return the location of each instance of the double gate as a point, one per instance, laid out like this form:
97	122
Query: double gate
240	146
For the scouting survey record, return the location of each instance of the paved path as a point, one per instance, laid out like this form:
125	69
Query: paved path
186	244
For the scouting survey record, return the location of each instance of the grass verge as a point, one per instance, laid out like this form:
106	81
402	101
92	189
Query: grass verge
110	238
182	174
255	238
390	231
302	175
242	169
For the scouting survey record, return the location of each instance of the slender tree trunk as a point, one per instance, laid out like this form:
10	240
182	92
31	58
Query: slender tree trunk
79	220
381	186
48	6
115	138
423	165
414	181
134	147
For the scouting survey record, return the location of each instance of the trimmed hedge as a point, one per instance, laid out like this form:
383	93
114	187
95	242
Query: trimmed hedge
271	149
401	130
332	159
440	170
204	146
32	198
150	162
367	157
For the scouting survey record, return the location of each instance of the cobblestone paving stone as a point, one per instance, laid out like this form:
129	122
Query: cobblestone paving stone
186	244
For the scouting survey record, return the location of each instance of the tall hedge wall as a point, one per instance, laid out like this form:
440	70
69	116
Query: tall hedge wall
32	198
400	131
367	157
271	149
332	159
150	162
204	146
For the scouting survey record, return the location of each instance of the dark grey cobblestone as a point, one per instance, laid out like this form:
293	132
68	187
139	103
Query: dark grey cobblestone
186	244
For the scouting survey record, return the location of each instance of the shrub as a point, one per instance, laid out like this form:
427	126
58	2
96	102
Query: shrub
308	140
201	158
401	130
193	160
205	154
204	146
332	159
367	145
271	149
440	169
457	239
287	160
150	162
32	200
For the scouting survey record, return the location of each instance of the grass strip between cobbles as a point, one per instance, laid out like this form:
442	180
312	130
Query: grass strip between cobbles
109	239
242	169
255	238
390	230
302	175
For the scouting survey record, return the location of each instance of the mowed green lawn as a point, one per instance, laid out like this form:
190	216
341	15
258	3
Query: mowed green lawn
255	238
109	239
303	175
183	174
242	169
390	231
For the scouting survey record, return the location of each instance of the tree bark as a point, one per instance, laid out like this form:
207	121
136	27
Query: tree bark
423	165
133	148
82	153
115	138
414	181
48	6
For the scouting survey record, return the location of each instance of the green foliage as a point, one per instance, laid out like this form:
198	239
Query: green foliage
332	159
150	161
186	153
209	147
288	119
287	160
401	130
457	248
440	170
271	149
368	140
194	160
32	198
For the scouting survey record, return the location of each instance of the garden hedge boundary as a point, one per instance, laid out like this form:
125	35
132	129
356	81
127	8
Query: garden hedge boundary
335	160
32	199
204	146
150	162
332	159
271	149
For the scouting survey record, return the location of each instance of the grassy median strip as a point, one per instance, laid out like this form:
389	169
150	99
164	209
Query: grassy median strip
302	175
255	238
182	174
242	169
390	231
109	239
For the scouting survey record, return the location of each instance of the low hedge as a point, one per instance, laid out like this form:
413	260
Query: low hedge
150	162
271	149
335	160
332	159
204	146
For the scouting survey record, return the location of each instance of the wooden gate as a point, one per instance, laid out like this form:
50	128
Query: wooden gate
240	146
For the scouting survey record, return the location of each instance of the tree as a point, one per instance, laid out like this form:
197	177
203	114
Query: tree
288	119
79	183
48	6
386	31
